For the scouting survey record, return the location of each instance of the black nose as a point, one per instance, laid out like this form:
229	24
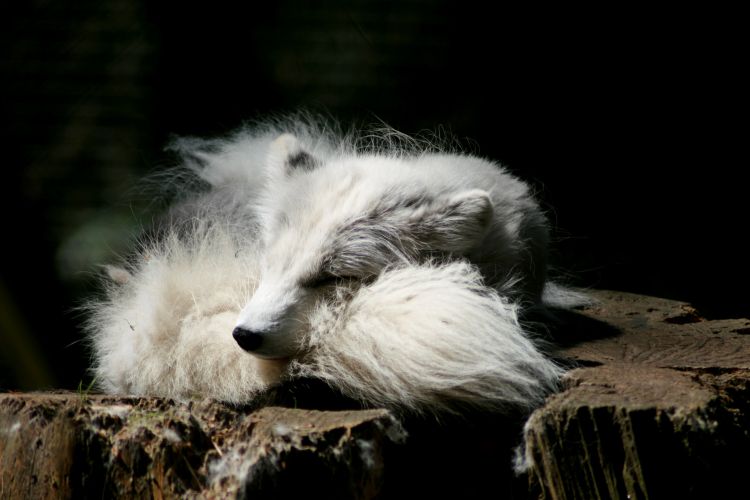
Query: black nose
247	339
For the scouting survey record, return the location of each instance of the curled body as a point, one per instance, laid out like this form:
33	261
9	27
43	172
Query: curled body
393	271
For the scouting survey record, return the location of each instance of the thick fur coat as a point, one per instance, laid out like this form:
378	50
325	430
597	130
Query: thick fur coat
391	270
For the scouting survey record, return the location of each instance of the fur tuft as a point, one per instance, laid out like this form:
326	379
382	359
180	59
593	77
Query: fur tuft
560	296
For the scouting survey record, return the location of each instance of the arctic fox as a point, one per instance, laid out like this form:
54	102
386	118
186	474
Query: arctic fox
393	271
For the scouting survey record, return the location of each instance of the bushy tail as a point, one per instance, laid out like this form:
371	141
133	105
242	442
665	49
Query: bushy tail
424	335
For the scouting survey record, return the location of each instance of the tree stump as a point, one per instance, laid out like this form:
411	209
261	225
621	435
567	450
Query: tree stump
656	405
659	407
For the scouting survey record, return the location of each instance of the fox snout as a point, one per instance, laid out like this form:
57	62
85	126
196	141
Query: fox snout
270	324
272	342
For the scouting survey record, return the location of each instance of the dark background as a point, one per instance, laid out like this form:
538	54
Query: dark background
625	121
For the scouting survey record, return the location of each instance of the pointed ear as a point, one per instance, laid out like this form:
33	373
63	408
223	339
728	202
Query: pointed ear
459	222
286	155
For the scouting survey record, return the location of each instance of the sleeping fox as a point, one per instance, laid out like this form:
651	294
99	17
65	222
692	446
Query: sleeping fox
390	269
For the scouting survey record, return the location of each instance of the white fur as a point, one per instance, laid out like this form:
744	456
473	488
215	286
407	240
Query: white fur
395	273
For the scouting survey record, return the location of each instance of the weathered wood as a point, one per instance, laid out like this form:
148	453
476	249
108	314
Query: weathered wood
657	405
71	446
659	408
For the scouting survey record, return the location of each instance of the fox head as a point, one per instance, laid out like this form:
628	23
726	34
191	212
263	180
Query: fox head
340	222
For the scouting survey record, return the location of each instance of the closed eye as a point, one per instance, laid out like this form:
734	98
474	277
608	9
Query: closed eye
323	279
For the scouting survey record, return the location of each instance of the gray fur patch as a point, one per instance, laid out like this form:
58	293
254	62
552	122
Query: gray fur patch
301	160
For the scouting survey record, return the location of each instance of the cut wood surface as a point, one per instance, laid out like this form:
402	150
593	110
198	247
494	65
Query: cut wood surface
658	332
656	405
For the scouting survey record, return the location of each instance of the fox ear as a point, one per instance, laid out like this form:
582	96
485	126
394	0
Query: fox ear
459	222
286	155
